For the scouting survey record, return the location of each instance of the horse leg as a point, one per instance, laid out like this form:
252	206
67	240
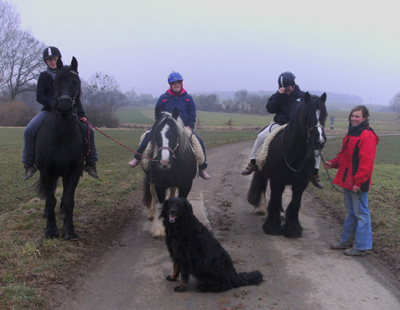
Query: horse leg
157	228
256	193
152	202
67	205
51	230
261	208
292	227
172	192
272	224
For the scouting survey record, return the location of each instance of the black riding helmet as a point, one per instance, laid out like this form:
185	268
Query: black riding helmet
50	52
286	79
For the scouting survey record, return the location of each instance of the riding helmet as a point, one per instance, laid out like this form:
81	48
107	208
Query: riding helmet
286	79
174	77
50	52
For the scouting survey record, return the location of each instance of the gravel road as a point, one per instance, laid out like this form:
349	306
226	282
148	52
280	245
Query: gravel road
299	274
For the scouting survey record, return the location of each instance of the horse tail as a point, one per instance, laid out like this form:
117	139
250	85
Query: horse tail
258	185
147	193
41	190
250	278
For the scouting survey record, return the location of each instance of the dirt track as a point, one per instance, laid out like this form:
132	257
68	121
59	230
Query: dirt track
299	274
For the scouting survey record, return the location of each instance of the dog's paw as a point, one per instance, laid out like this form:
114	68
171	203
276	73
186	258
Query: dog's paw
180	289
170	278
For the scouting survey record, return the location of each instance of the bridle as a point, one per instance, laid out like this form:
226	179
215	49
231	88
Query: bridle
67	97
318	126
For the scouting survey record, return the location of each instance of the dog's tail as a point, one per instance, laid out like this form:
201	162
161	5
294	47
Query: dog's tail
250	278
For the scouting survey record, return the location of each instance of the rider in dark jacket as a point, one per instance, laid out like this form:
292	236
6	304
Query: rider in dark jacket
45	96
282	104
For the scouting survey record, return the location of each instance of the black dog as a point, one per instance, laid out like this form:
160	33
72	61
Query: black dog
194	250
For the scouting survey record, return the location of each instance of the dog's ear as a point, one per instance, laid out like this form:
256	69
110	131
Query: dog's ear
188	207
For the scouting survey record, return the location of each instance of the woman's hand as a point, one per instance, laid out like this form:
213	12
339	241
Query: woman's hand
327	165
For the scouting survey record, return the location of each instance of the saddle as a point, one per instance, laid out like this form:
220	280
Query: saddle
197	149
262	153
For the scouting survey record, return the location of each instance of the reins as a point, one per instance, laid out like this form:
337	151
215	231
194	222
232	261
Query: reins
284	156
103	133
329	177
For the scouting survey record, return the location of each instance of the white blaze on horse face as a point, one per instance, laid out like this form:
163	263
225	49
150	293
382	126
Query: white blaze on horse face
319	127
165	143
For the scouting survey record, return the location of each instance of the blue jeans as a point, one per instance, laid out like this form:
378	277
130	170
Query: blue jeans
357	225
28	152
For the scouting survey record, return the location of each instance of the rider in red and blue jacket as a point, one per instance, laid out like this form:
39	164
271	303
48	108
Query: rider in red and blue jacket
176	97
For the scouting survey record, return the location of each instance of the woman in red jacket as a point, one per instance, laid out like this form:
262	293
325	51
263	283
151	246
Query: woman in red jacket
355	163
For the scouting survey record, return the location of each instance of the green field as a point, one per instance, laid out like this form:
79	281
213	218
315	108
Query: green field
27	259
145	115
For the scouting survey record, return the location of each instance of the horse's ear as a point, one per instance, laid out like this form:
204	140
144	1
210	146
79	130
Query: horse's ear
307	97
158	113
59	63
323	97
74	64
175	113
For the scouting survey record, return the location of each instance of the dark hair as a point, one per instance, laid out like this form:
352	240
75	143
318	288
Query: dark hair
364	110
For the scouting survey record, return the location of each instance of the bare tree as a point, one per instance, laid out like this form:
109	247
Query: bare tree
101	97
241	99
23	63
9	24
395	104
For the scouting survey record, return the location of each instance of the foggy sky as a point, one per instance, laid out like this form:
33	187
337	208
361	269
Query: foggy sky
350	47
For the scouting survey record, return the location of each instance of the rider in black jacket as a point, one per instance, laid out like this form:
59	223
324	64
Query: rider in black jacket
45	96
282	104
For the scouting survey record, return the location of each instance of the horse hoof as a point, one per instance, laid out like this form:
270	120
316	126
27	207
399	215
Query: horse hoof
70	237
277	231
150	218
259	212
51	234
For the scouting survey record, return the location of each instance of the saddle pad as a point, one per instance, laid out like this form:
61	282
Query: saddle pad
261	155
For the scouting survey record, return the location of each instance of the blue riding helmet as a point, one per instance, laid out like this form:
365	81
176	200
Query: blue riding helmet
174	77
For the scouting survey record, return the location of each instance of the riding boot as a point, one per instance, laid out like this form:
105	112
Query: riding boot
91	170
29	171
316	181
203	174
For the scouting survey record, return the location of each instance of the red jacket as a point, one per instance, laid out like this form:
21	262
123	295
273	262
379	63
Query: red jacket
356	159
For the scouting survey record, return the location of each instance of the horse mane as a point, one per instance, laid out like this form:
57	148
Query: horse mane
184	141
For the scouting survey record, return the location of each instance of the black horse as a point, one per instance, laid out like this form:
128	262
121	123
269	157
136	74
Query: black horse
290	161
60	151
172	165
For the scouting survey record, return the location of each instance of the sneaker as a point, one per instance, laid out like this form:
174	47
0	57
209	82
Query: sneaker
249	169
354	252
133	163
29	171
203	173
340	246
91	170
316	181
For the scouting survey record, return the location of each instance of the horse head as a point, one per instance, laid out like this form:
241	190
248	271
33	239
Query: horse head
314	116
67	88
167	136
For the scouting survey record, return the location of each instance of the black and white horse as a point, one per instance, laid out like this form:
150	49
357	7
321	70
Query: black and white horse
290	161
60	151
172	166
